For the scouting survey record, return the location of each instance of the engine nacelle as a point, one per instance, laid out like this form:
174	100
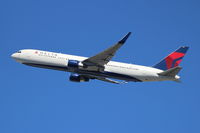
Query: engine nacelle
74	64
78	78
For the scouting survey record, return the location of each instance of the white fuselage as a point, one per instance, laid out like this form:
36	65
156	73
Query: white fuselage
117	70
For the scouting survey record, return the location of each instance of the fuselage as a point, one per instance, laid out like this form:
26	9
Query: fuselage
116	70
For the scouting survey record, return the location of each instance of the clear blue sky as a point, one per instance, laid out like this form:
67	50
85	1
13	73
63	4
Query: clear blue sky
34	100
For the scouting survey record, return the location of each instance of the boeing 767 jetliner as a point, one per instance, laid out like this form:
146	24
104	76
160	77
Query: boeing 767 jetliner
101	67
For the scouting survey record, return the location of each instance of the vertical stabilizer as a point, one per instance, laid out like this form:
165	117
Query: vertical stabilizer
173	59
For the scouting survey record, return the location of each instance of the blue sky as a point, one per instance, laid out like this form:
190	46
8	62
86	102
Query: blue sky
38	100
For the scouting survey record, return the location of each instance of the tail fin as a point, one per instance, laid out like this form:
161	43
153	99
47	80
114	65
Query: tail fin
173	59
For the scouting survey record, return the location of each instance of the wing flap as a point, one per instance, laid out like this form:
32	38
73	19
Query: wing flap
110	80
104	79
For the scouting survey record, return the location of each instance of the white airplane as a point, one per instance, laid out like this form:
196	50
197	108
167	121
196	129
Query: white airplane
101	67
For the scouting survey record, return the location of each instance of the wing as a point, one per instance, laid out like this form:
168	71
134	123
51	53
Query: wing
104	57
111	81
104	79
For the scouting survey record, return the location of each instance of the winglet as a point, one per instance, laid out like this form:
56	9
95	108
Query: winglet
124	38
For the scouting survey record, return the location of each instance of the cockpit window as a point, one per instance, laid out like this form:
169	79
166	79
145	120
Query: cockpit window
18	51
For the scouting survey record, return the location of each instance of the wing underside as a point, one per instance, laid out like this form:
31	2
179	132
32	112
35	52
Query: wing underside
104	79
96	63
104	57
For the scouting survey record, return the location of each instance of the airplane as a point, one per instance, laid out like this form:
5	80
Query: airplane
100	66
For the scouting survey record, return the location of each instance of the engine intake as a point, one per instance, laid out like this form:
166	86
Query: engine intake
74	64
78	78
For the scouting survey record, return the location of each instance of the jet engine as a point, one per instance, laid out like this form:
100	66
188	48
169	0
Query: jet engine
74	64
78	78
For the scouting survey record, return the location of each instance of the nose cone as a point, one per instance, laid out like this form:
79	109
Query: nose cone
14	56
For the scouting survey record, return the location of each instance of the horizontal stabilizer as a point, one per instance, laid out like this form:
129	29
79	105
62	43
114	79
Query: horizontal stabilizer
177	80
171	72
